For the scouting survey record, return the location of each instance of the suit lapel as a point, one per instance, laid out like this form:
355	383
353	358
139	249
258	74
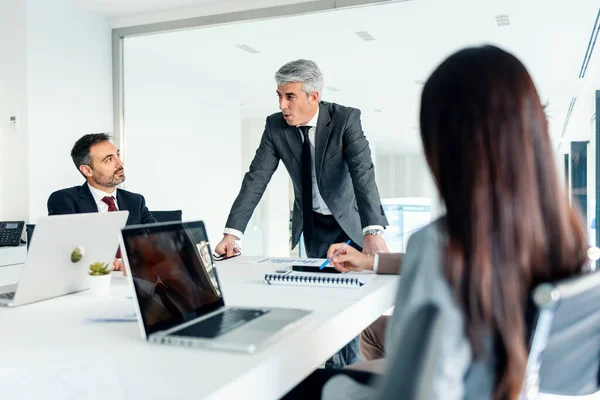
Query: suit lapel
321	138
88	204
292	136
122	201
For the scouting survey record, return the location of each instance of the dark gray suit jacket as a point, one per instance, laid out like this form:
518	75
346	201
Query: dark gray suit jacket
344	170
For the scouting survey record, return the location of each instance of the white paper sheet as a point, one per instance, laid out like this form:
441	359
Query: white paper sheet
113	309
290	261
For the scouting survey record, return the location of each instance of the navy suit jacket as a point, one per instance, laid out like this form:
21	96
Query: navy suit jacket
79	199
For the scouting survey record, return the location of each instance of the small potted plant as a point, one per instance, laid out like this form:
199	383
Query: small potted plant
100	278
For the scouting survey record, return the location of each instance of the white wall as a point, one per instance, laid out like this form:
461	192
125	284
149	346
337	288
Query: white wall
406	175
13	101
269	230
69	92
182	136
55	76
403	175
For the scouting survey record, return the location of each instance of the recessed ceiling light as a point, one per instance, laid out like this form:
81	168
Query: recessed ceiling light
247	48
332	88
503	20
364	35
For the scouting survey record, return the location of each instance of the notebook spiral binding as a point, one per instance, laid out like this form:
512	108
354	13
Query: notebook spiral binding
312	279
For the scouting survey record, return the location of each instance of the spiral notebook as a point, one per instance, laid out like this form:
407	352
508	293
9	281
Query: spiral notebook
294	278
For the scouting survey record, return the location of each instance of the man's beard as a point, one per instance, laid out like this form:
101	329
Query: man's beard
109	182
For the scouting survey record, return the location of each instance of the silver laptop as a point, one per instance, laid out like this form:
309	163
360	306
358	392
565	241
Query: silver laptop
179	299
51	268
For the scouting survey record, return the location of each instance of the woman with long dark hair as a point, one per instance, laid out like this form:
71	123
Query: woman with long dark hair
508	225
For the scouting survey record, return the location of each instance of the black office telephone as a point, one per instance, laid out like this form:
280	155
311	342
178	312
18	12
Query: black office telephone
10	232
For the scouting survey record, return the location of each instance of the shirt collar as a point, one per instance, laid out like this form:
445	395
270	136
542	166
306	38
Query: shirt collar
313	120
99	194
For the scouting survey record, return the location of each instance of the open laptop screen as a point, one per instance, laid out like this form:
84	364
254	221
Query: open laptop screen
173	273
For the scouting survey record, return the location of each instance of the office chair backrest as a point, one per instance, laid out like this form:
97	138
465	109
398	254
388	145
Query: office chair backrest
410	370
167	216
564	356
29	229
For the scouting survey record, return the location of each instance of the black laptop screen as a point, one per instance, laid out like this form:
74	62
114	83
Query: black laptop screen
173	273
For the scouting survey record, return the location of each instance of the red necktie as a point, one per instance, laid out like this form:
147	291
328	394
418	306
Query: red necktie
110	201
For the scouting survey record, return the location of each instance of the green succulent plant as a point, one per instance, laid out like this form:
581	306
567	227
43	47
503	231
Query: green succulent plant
76	255
98	269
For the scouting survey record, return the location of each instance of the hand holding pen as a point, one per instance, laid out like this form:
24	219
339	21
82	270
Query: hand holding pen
346	258
338	251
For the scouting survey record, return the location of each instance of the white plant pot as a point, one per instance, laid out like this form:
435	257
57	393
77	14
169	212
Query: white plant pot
100	285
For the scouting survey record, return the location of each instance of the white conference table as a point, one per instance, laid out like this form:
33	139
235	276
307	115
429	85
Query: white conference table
10	255
49	351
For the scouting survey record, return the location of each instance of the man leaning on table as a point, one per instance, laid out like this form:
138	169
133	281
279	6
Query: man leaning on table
324	149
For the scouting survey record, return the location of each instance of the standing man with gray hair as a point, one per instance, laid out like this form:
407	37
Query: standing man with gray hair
327	155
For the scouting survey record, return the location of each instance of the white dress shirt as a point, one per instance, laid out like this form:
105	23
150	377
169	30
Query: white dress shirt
99	194
318	203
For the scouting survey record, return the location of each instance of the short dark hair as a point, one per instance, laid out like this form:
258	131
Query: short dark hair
81	150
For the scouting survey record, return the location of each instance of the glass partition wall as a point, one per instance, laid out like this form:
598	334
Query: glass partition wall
192	96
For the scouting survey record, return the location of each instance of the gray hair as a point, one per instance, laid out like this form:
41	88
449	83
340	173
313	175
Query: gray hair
301	71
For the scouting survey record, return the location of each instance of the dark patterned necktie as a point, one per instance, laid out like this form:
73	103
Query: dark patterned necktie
307	208
110	202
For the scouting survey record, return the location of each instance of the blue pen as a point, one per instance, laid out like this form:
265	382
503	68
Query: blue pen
335	254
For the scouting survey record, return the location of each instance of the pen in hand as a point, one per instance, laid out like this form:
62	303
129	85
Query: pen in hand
338	251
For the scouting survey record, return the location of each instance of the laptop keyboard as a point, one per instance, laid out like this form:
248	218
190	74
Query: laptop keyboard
221	323
7	296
